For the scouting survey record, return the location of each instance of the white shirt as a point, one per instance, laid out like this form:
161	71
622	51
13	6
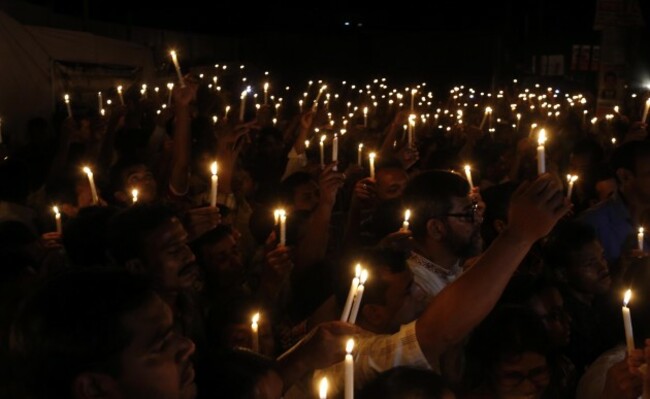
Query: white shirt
430	277
592	383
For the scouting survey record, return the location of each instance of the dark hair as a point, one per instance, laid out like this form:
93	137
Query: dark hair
289	185
74	324
566	239
627	155
14	180
429	194
497	201
128	229
119	172
401	382
85	238
211	237
389	163
237	372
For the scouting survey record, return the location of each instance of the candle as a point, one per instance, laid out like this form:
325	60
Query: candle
100	101
323	388
627	322
365	116
405	223
320	92
170	87
266	93
639	238
345	315
357	298
411	129
66	99
571	179
335	150
468	174
349	370
645	110
283	228
242	106
322	151
91	181
371	158
413	91
359	153
57	218
518	120
488	111
119	94
134	195
255	332
214	182
541	157
178	68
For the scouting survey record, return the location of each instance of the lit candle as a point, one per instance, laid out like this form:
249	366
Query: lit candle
571	179
541	157
57	218
365	116
91	181
100	101
371	158
266	93
335	150
413	91
66	99
320	92
213	186
357	298
405	223
349	370
283	228
322	151
645	110
119	94
242	106
255	332
323	388
627	322
488	111
359	153
411	129
177	67
468	174
639	238
134	195
170	87
345	315
225	114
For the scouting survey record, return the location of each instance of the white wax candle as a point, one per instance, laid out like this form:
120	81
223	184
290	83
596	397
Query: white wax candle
322	151
571	179
57	218
345	315
335	150
413	91
349	370
170	87
100	101
242	106
213	186
358	297
541	156
371	158
405	223
359	154
283	228
66	99
323	388
639	238
468	174
119	94
181	81
134	195
365	116
255	332
411	130
91	181
645	110
320	92
627	322
266	93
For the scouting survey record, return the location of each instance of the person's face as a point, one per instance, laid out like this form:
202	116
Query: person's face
140	177
390	183
168	257
549	306
156	364
522	377
463	228
588	271
305	197
269	386
223	262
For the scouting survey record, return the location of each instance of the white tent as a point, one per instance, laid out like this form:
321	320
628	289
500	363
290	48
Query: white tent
38	65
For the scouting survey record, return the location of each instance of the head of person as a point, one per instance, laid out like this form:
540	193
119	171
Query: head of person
14	180
443	215
390	179
407	382
508	354
495	218
300	191
85	238
631	164
130	174
218	255
101	334
150	239
242	374
575	254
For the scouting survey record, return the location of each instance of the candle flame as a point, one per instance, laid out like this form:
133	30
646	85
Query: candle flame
323	388
364	276
170	86
627	297
119	89
213	168
66	98
306	143
468	168
87	171
357	270
256	318
541	138
372	155
173	54
640	230
349	346
134	194
322	138
56	210
407	215
360	145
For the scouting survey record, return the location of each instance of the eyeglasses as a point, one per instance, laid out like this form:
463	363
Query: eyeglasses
538	376
466	216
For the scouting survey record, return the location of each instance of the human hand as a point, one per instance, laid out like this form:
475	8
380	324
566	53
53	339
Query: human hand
329	183
201	220
620	383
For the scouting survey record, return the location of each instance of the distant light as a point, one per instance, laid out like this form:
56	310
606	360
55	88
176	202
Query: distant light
359	24
346	23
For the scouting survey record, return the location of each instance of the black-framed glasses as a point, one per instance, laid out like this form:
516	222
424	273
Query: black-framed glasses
469	216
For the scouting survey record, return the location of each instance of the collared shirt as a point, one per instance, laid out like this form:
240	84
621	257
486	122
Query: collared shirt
376	354
613	224
431	277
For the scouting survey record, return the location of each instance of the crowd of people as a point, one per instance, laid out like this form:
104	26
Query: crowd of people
504	282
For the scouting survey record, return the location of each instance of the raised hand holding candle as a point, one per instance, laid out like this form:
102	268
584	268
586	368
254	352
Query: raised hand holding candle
541	156
323	388
627	322
134	195
57	218
345	315
371	158
405	223
255	332
213	185
571	179
66	99
468	174
359	154
91	181
335	150
349	370
645	110
358	297
639	238
181	81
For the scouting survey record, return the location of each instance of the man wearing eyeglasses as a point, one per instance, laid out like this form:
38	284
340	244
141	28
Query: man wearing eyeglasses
446	227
